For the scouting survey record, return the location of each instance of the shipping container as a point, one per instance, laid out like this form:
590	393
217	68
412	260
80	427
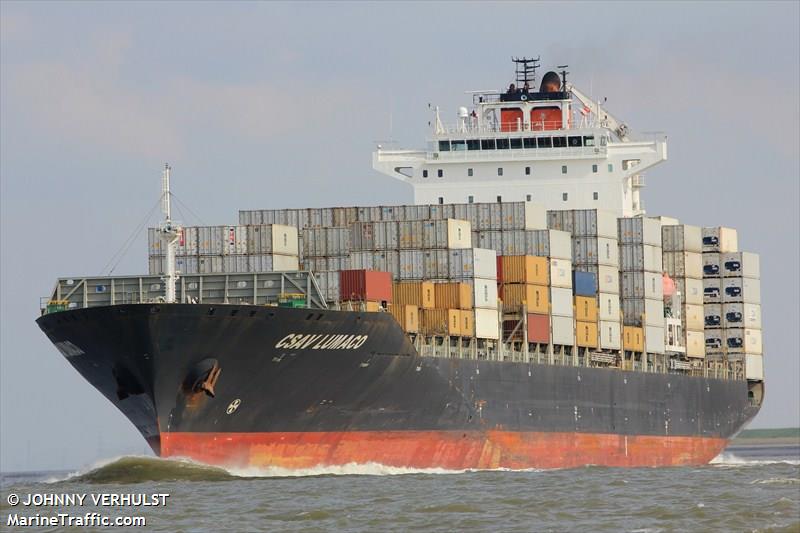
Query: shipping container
467	317
610	336
473	262
209	264
744	290
411	235
654	339
154	245
638	231
314	242
693	317
683	264
737	315
407	316
271	263
515	242
633	339
711	265
273	239
328	283
584	283
666	221
447	234
681	238
490	240
561	302
524	269
585	309
740	264
368	285
720	240
595	251
640	257
641	285
609	307
607	277
538	328
418	294
434	321
586	334
211	240
522	215
636	312
754	367
236	263
361	306
549	243
712	316
594	223
486	324
563	220
715	340
412	264
453	295
435	264
741	340
691	290
562	330
560	273
535	298
484	294
695	344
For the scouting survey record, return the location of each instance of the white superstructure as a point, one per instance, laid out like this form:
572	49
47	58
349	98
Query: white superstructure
521	145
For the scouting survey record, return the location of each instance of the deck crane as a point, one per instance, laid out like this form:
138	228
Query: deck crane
606	119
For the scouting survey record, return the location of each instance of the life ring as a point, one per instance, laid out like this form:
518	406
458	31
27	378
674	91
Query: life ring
523	97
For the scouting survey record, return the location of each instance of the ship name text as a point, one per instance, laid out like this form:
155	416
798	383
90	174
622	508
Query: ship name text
301	341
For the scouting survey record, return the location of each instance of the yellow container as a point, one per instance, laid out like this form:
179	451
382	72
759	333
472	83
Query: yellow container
453	295
454	322
632	339
525	269
369	307
407	316
586	334
467	323
420	294
585	309
535	297
441	322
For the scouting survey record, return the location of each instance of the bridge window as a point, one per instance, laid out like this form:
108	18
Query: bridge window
500	171
527	171
575	141
444	146
563	169
527	197
588	140
564	196
469	172
529	142
441	200
471	199
499	199
440	173
458	146
424	173
502	144
559	142
516	143
594	169
610	167
487	144
544	142
473	144
595	195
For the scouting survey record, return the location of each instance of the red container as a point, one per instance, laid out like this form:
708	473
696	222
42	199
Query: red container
538	328
365	286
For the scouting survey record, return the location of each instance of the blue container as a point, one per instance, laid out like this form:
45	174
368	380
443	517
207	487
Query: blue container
584	283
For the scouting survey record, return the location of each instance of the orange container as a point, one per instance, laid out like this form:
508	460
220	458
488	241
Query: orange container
453	295
407	316
586	334
536	298
632	339
360	285
417	293
525	269
441	322
585	309
467	323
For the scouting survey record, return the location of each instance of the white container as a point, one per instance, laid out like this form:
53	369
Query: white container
607	277
235	264
594	223
210	264
691	290
484	293
436	264
711	265
693	317
560	273
337	262
636	312
156	264
739	315
154	244
514	242
641	285
337	242
712	316
561	302
754	367
609	335
608	307
411	235
549	243
386	261
683	264
486	324
361	261
450	233
712	290
695	343
654	339
473	262
682	238
562	331
745	290
522	215
665	221
562	221
720	239
639	230
740	264
412	264
488	240
640	257
211	240
715	340
314	241
595	251
741	340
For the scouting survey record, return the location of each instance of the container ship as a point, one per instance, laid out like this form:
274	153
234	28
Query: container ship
524	312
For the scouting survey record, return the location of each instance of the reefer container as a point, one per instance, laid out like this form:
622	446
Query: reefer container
560	273
738	315
641	285
369	285
524	269
584	283
608	307
563	330
484	293
639	230
711	265
693	317
610	338
538	328
561	302
534	297
720	239
419	294
741	340
682	238
486	324
633	339
450	233
695	344
654	339
740	264
712	314
712	290
640	257
745	290
636	312
586	334
473	262
683	264
407	316
715	339
691	290
585	309
754	366
595	251
453	295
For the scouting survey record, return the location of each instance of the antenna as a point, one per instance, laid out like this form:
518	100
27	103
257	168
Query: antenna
170	234
165	199
563	75
525	70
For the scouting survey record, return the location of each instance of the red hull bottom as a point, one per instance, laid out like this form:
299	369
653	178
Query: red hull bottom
453	450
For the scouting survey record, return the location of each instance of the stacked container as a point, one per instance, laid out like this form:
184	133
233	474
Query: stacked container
586	316
368	290
449	312
683	262
716	241
641	287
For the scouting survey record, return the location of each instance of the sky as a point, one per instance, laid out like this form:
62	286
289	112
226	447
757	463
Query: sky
270	105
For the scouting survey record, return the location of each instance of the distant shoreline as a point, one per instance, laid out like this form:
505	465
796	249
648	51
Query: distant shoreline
767	437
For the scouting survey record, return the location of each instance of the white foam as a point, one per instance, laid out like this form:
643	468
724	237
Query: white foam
729	459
